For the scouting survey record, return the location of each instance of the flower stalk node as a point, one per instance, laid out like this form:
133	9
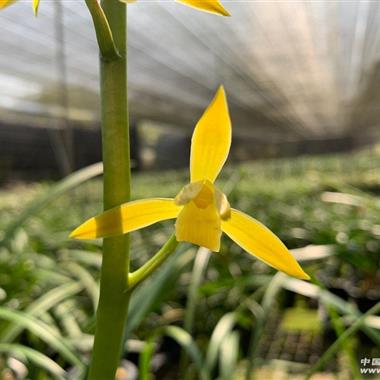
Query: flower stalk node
104	36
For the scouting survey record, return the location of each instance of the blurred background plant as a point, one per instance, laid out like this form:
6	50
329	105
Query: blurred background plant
225	312
302	82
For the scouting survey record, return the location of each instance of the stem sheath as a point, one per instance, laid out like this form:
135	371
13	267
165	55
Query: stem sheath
114	297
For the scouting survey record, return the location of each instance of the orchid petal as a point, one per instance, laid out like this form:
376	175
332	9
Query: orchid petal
5	3
128	217
259	241
200	226
211	140
36	4
211	6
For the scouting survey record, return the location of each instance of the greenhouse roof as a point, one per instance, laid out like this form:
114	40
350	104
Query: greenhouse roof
292	70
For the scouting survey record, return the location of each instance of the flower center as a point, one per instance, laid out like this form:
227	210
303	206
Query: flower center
204	194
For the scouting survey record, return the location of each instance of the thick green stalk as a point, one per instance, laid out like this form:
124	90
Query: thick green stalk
114	294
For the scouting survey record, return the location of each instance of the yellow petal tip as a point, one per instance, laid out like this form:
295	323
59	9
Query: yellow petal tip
74	234
297	271
87	230
36	4
210	6
221	91
223	11
305	276
259	241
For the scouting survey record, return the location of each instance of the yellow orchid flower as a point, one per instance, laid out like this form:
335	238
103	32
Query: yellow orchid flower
201	209
211	6
5	3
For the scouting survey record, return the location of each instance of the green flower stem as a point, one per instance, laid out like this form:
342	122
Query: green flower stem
114	299
103	31
151	265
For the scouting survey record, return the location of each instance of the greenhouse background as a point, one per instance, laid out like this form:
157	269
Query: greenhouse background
300	76
302	81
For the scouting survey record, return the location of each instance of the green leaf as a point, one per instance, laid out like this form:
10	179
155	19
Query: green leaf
151	292
229	354
88	258
145	359
41	305
58	189
65	312
184	339
261	314
333	349
313	291
37	358
43	332
197	274
86	279
199	268
221	330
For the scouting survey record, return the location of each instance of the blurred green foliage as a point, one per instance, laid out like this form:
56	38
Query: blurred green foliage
52	282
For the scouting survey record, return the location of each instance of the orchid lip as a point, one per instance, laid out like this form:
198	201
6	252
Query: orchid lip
204	193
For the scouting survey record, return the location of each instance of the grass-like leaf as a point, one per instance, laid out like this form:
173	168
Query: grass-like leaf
229	354
35	357
41	305
197	274
151	292
43	332
58	189
86	279
185	340
333	349
221	331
